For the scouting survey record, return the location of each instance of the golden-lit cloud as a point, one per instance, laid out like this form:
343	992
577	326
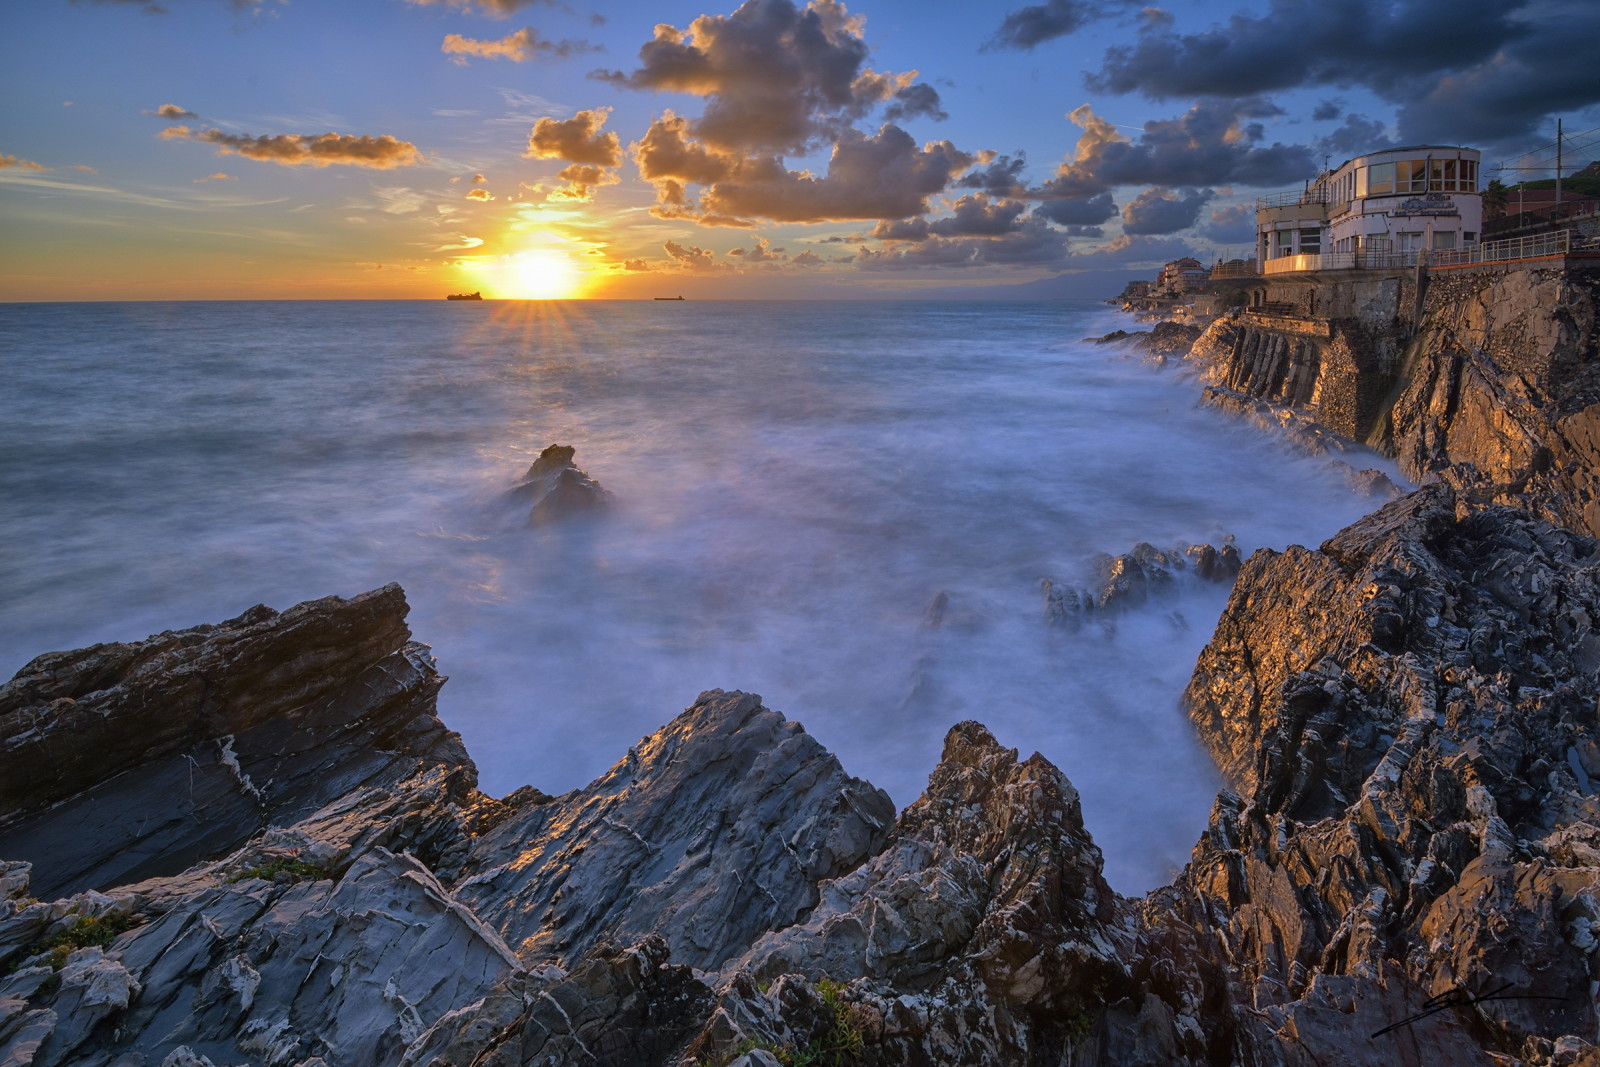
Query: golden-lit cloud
493	8
479	194
576	140
219	176
21	164
518	47
294	149
582	180
172	111
884	176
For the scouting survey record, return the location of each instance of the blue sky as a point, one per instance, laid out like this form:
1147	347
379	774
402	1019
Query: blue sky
395	148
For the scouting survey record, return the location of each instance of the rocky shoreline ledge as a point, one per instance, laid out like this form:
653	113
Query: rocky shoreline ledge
255	843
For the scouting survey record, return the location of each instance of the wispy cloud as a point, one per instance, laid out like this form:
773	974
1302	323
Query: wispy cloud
294	149
127	196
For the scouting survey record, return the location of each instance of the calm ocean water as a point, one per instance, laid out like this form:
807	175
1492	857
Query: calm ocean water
797	483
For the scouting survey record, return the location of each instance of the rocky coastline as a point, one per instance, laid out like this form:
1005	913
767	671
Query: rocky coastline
255	842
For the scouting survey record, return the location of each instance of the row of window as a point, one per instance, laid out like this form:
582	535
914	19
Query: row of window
1418	176
1310	242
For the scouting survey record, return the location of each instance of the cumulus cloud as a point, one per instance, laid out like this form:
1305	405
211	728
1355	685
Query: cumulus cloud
1457	72
173	112
997	175
1211	144
518	47
807	260
1358	134
576	140
20	164
479	194
763	252
1078	210
1232	224
692	258
582	180
294	149
1029	26
884	176
1128	251
1159	211
776	77
1029	243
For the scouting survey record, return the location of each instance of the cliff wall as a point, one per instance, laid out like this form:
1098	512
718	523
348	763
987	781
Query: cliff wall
1502	390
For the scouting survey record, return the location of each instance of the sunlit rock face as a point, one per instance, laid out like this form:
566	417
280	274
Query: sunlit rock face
1408	717
123	761
555	488
709	833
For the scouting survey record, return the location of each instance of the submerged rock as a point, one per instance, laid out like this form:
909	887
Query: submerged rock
1146	575
555	488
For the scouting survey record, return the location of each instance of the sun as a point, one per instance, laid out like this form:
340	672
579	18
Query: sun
538	274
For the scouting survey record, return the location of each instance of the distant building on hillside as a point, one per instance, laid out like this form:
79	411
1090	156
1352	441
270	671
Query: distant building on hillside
1183	276
1377	210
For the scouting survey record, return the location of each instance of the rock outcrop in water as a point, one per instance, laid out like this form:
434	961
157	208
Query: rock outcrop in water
555	488
1407	717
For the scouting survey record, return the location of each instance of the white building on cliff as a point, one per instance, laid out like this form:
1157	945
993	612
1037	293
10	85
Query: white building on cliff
1377	210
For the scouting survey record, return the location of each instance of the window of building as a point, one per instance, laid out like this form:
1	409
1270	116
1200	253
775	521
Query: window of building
1310	242
1285	242
1469	237
1380	179
1469	176
1444	241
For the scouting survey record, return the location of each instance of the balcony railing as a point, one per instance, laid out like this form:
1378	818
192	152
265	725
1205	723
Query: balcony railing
1315	195
1341	261
1560	243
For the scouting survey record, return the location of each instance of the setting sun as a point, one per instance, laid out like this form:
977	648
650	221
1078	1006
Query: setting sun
536	274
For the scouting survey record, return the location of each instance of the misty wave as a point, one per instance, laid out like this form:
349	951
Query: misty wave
845	508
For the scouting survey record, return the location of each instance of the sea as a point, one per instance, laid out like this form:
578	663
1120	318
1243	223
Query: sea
847	508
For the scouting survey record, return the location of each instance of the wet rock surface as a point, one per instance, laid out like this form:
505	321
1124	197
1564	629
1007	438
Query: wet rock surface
555	488
1406	717
1146	575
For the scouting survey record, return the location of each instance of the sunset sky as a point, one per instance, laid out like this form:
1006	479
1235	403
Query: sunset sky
200	149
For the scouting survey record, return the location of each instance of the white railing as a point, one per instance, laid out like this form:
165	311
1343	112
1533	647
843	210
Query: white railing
1559	243
1317	194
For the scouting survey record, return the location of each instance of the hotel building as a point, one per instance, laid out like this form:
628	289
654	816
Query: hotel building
1377	210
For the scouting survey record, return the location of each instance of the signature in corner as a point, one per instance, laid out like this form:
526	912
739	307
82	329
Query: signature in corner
1458	997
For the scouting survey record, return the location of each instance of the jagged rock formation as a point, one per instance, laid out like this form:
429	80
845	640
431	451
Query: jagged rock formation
555	488
1145	575
123	761
1163	341
1407	717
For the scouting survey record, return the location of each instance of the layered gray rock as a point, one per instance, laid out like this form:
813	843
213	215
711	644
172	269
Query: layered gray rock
710	832
123	761
555	488
1407	717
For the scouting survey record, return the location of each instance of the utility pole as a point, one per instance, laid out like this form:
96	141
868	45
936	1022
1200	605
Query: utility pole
1558	167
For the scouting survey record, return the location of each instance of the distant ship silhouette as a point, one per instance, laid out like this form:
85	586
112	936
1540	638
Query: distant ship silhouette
465	296
669	298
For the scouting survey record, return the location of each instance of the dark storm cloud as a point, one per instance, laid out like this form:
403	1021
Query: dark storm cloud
1161	211
1458	72
1377	43
1327	111
1029	26
1210	144
974	216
